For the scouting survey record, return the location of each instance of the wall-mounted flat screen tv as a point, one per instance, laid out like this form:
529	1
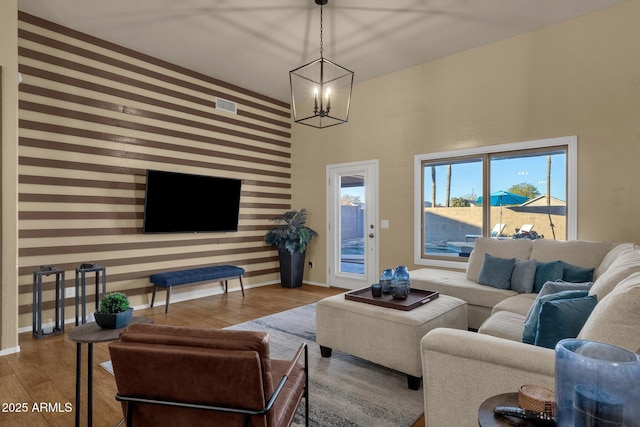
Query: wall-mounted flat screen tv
186	203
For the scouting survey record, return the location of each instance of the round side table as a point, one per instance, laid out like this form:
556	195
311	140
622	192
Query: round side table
91	333
488	418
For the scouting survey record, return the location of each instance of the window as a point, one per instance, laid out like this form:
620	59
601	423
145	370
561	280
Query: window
522	190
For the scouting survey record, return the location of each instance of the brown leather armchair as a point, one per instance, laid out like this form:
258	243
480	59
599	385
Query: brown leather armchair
178	376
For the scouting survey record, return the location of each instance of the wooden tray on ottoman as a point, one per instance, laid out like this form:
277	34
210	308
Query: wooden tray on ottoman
416	298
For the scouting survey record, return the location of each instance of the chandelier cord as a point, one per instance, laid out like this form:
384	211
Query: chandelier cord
321	32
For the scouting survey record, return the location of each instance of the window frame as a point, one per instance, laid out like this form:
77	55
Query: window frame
571	142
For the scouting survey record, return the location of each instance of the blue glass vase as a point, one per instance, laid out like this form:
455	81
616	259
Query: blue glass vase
400	287
401	273
597	385
386	279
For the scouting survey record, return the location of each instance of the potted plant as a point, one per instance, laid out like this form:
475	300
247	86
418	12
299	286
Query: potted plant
114	311
290	236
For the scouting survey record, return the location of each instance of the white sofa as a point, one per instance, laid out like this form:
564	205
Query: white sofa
482	299
461	369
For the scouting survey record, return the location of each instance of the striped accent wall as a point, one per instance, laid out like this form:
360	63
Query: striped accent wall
93	118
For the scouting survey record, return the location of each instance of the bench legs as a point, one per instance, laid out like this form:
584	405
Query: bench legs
166	306
153	297
223	283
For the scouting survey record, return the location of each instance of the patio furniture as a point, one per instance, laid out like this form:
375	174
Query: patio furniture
526	228
497	230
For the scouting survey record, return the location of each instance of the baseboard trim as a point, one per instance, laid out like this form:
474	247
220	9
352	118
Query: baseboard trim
322	285
176	296
8	351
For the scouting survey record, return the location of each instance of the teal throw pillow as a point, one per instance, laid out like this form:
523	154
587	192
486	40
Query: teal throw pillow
524	276
496	271
547	272
564	318
575	273
531	322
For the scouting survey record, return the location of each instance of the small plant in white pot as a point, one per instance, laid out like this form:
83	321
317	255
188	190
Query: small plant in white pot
114	311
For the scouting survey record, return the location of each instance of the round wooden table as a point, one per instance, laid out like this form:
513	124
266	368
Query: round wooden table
488	418
91	333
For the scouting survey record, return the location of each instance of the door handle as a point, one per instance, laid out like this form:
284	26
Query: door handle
371	235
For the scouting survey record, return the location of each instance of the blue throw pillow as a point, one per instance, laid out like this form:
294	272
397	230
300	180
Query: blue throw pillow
564	318
531	322
524	276
575	273
561	285
547	272
496	272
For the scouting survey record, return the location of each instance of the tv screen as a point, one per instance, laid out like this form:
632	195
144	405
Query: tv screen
185	203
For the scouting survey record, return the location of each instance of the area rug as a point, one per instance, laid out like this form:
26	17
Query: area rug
344	390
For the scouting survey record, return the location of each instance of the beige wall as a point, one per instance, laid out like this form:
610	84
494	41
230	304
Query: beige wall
9	139
581	77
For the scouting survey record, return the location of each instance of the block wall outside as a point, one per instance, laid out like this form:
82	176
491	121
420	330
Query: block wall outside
454	224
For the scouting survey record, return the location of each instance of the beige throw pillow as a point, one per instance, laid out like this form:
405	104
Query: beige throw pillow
619	269
582	253
616	317
616	252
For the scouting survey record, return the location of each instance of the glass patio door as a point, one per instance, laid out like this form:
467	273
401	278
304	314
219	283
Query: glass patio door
352	218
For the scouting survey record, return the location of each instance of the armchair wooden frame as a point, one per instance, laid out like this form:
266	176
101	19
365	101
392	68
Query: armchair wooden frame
131	401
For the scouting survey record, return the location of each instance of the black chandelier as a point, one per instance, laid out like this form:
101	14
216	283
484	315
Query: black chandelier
321	90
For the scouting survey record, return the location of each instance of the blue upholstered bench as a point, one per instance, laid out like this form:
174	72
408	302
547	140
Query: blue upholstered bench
221	273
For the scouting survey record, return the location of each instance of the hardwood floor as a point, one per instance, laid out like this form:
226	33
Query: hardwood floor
44	370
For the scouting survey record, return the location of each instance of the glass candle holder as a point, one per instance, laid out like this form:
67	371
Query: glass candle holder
597	385
376	290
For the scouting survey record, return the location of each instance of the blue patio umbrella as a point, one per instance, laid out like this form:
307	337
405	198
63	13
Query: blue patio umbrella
503	198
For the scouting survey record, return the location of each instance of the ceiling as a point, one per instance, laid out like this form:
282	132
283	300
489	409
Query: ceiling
255	43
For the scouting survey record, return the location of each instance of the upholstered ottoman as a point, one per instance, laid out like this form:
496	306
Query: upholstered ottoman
386	336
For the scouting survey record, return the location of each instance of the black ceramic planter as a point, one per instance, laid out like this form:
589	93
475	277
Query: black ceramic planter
291	268
114	321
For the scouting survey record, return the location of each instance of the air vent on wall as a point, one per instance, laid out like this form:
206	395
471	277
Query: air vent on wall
226	105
